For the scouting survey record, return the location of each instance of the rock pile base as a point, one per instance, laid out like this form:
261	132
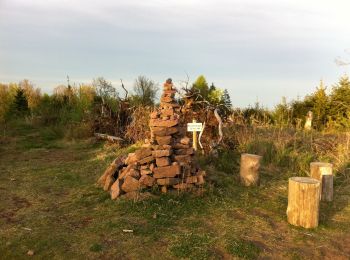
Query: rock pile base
165	161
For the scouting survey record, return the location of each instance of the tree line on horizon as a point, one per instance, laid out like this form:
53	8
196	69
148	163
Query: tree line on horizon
100	99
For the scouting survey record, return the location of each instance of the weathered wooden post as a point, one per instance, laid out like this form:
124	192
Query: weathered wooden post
303	202
249	169
195	147
324	173
308	122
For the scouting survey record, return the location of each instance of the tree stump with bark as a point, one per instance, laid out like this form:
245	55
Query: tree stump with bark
303	202
249	169
324	173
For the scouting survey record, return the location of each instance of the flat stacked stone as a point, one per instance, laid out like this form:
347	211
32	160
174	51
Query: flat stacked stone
166	160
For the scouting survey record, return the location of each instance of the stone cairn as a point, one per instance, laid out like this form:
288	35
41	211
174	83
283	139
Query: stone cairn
166	160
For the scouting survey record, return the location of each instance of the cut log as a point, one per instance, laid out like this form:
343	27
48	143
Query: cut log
303	202
249	169
322	172
109	138
327	188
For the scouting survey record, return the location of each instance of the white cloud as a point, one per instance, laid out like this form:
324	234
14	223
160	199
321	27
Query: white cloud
228	40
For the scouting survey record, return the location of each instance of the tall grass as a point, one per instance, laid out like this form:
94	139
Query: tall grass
290	148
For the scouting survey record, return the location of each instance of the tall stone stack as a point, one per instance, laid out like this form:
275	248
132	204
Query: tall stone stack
165	161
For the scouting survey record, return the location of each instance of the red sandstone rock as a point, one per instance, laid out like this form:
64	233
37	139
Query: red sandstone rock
166	99
162	161
142	153
146	145
185	140
167	86
168	181
183	158
108	183
163	131
133	173
167	92
146	171
164	189
166	171
188	151
171	130
162	123
161	153
116	189
147	180
201	172
125	170
200	179
164	147
154	114
159	131
180	146
130	184
169	105
167	112
161	140
131	158
191	179
112	169
146	160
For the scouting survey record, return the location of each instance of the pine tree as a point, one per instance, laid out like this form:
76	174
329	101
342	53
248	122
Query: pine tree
320	106
20	103
226	105
339	110
226	100
212	87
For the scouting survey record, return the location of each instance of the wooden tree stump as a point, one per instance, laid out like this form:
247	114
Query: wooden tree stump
249	169
324	173
303	202
327	188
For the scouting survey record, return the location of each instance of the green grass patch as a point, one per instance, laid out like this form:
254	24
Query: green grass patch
243	249
191	246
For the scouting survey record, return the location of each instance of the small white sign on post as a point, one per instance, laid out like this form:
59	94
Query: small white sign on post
194	127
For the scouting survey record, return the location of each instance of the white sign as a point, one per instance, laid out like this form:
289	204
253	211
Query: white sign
194	127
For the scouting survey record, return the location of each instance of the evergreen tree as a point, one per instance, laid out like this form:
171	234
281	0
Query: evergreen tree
226	105
320	106
282	113
226	100
339	110
212	87
20	103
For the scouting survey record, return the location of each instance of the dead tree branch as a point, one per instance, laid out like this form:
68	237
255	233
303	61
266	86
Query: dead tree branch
126	92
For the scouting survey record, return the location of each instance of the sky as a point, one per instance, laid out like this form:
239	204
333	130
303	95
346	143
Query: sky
258	50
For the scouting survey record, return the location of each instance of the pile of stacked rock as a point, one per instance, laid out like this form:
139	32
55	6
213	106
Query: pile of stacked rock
165	161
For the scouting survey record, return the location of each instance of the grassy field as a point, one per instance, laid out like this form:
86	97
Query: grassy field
51	205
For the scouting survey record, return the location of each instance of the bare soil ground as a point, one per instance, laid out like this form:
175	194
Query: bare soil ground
50	204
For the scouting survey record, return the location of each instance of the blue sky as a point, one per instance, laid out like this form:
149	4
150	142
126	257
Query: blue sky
258	50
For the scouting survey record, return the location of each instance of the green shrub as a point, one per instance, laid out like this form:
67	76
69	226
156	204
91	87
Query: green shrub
265	148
